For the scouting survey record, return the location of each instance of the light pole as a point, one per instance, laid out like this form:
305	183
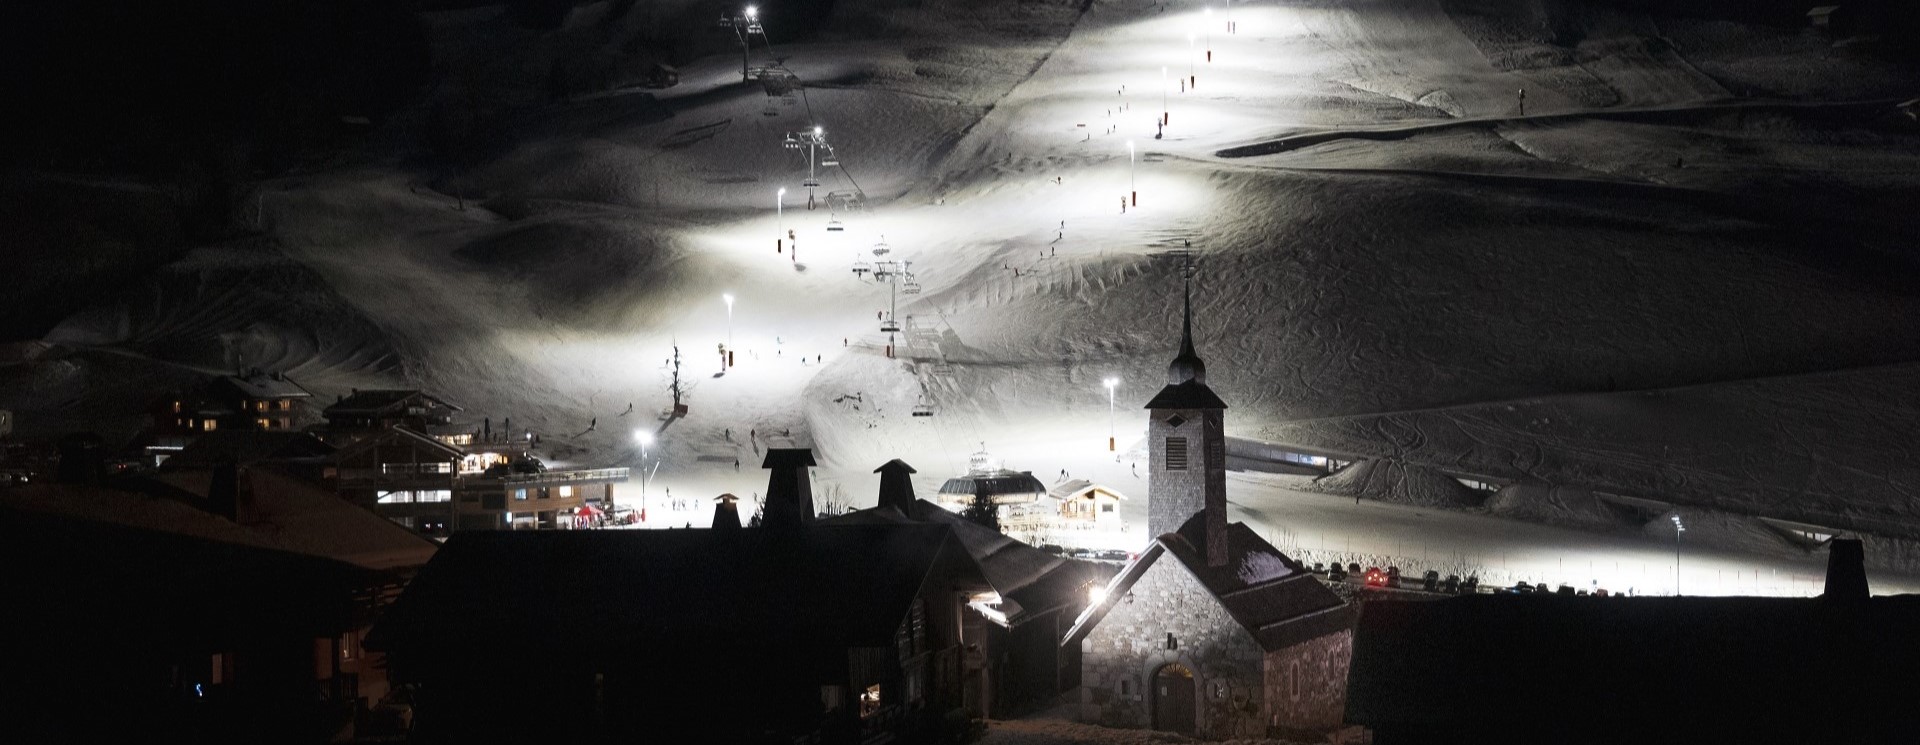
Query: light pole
1164	119
1111	384
1191	82
1208	26
1132	185
729	298
1678	528
645	439
779	219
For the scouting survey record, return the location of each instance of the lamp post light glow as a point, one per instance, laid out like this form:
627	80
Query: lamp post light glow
1191	82
728	297
780	219
1678	528
1096	595
1164	119
753	12
1132	185
1208	25
1112	383
644	438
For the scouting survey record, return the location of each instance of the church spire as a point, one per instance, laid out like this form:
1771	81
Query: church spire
1187	366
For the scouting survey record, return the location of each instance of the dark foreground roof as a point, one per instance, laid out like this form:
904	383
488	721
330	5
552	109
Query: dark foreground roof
246	447
1033	580
1269	594
1560	669
577	596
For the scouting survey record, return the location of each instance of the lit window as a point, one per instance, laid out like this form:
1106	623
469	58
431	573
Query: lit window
1176	453
434	495
259	406
176	407
520	494
264	423
870	701
566	491
395	497
208	425
286	423
348	649
286	405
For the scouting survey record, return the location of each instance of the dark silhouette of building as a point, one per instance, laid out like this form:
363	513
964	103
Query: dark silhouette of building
370	412
1551	668
1014	662
840	632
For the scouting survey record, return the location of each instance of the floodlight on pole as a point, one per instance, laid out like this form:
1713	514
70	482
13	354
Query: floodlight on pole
1132	185
1678	528
1190	78
753	12
728	297
1208	26
1164	119
1111	383
644	438
779	219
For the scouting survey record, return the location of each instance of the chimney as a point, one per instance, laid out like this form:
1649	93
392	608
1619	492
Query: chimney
726	515
789	488
223	493
1846	570
896	486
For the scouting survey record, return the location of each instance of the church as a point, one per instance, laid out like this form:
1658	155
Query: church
1212	631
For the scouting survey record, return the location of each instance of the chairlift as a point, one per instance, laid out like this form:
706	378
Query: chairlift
830	160
810	182
860	267
890	326
834	226
882	249
910	288
885	269
942	369
923	408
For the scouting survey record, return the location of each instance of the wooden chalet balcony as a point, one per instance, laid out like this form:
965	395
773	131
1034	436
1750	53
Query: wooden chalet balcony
553	478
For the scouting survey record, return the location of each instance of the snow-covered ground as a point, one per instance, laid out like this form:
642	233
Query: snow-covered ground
1682	274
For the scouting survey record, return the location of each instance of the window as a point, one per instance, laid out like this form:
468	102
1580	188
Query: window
176	407
263	423
349	648
566	491
259	406
1106	508
395	497
833	698
286	423
286	405
1126	686
1176	453
520	494
870	701
208	426
433	495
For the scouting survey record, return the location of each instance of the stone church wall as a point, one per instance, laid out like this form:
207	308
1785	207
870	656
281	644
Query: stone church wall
1120	657
1306	684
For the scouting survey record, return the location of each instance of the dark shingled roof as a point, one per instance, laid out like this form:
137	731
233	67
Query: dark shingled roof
788	458
375	402
1036	581
1272	596
629	591
1192	394
246	447
1012	482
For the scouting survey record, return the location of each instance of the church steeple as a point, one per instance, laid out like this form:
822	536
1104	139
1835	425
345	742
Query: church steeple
1188	365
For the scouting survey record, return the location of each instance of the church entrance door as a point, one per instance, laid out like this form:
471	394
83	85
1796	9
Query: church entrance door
1173	699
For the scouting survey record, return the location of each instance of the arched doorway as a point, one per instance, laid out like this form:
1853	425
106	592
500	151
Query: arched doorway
1173	699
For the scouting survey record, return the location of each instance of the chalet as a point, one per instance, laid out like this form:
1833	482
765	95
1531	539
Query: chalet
298	453
1211	631
1084	504
250	400
426	484
190	629
1019	664
371	412
1569	669
820	633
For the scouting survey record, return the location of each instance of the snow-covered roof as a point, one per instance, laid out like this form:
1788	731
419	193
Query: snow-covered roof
1000	483
1076	488
1273	597
382	401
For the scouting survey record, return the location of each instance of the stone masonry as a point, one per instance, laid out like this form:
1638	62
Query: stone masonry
1120	657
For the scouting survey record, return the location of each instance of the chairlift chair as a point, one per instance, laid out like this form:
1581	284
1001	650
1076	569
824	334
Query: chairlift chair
923	408
810	183
834	226
911	286
882	249
860	267
890	326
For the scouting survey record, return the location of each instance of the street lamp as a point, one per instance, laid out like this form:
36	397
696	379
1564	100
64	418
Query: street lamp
1164	119
1191	82
729	298
1131	184
779	219
1111	384
753	12
1208	25
1678	528
644	438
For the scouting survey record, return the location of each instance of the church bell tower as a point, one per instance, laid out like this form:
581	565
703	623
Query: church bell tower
1187	447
